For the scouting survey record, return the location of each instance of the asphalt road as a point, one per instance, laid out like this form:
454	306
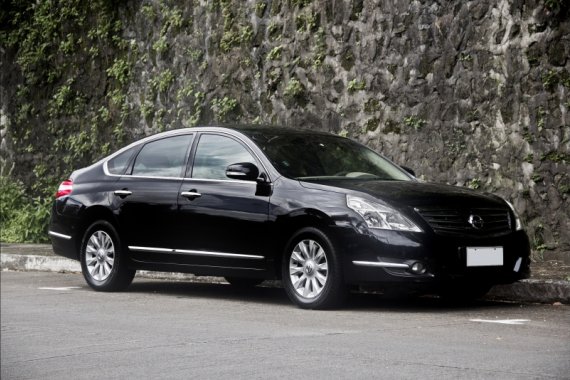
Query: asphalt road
54	327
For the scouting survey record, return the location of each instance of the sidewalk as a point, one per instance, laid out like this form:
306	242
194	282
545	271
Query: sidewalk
40	257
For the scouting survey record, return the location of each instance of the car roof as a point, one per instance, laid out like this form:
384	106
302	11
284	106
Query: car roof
249	130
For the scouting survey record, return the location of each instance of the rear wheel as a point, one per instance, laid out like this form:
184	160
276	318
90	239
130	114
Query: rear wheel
311	271
103	262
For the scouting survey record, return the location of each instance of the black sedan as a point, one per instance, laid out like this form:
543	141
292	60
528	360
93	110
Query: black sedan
320	212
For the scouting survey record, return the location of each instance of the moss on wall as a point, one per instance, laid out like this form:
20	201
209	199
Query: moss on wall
471	93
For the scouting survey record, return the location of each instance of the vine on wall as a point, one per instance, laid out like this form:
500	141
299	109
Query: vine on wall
62	55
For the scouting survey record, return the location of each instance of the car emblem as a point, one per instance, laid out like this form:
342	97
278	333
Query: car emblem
475	221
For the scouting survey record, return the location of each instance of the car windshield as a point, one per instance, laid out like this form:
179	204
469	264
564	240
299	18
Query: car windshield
320	156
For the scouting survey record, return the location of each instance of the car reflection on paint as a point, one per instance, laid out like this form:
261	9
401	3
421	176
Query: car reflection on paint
318	211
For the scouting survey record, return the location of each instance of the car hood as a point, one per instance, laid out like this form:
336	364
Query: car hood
411	193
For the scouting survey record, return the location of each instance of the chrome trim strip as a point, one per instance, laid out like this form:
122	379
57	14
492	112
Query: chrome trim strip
380	264
218	254
150	249
196	253
190	194
122	192
146	176
61	236
219	180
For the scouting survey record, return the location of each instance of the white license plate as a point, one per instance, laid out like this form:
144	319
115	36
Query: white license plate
484	256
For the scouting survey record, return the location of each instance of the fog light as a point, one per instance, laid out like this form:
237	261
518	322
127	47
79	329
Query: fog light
418	268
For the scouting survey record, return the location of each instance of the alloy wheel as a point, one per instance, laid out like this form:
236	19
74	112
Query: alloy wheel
308	268
100	255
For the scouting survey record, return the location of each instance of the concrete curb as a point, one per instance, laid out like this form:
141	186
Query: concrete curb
532	290
42	263
41	258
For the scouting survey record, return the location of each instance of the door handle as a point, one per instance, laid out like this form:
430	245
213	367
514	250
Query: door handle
122	193
192	194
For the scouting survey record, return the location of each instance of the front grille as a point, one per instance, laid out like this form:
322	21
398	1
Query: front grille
456	221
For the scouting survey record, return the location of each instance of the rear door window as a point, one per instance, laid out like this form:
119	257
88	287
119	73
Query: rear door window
163	158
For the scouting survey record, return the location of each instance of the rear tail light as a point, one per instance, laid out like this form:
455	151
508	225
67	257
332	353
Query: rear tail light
64	189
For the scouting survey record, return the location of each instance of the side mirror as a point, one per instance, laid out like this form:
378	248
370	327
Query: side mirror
245	171
411	171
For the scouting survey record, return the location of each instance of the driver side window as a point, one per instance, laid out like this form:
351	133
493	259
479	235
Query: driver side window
215	153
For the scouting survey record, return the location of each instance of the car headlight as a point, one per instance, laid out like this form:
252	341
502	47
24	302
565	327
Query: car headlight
380	216
518	223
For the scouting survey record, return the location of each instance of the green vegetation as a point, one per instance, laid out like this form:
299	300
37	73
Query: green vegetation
160	45
275	53
223	107
162	81
536	178
414	122
22	219
294	89
301	3
274	30
75	67
120	70
320	50
474	184
556	156
371	124
527	135
64	51
307	22
465	57
372	105
552	78
197	108
234	33
356	85
260	7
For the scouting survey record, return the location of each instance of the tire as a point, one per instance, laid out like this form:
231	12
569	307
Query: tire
240	282
103	260
311	271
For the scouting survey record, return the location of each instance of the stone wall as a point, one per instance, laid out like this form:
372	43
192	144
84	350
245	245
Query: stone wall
470	93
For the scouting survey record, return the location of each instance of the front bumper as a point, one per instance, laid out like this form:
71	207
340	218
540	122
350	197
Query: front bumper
384	257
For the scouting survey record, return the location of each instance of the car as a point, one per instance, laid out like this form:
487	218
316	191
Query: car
322	213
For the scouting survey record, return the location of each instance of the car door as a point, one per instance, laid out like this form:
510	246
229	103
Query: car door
146	198
222	221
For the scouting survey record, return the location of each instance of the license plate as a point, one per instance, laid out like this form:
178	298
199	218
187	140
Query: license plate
484	256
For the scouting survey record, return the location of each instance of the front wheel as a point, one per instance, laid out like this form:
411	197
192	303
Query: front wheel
311	271
103	262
